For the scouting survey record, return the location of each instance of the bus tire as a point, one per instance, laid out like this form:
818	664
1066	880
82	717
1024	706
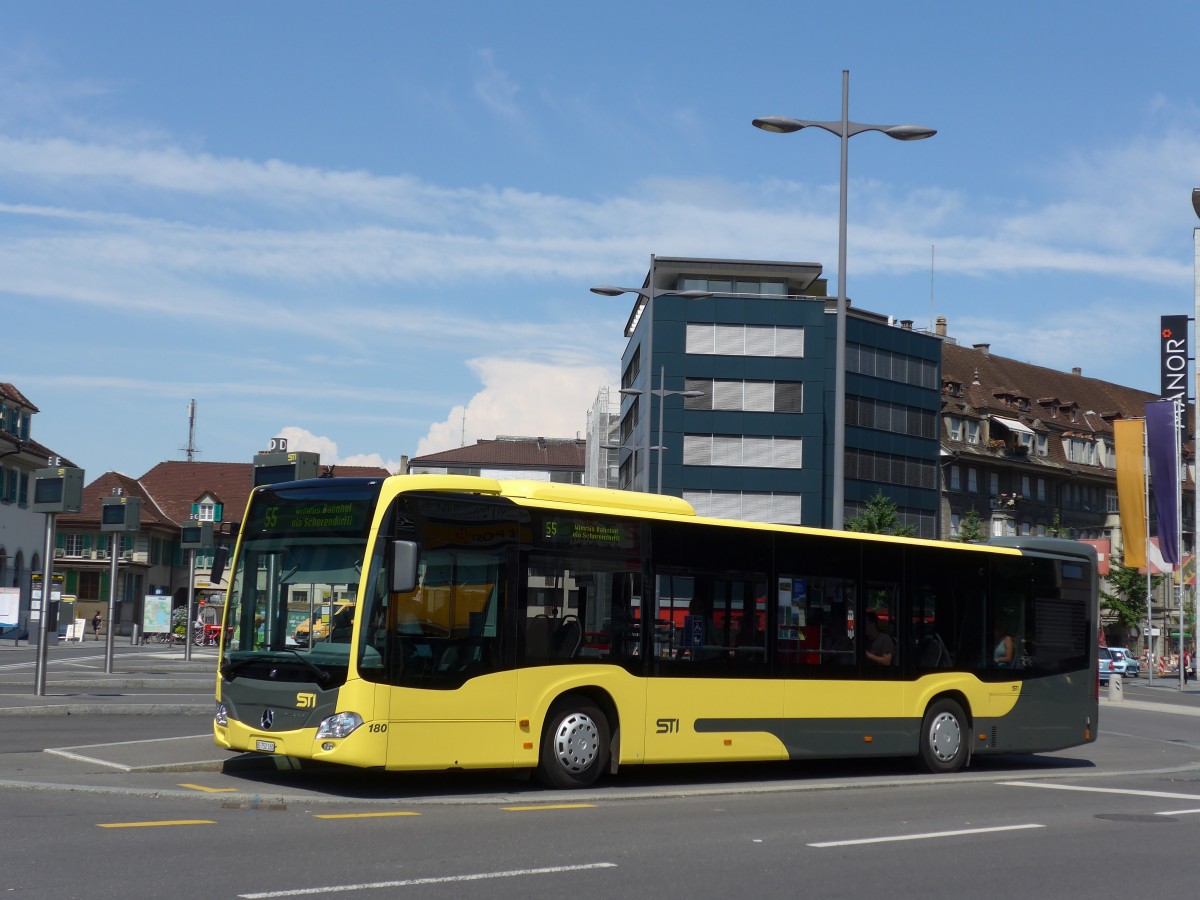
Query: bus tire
575	744
945	735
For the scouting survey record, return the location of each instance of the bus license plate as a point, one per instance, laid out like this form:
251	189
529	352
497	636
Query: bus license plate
265	746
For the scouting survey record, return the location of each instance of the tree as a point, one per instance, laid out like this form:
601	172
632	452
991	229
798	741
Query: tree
970	529
879	516
1128	599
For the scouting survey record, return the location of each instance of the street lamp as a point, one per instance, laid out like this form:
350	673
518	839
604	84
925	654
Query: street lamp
661	393
645	305
844	129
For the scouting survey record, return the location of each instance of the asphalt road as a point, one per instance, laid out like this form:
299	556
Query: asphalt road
97	805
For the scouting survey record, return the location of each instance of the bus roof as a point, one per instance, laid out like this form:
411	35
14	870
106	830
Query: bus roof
640	505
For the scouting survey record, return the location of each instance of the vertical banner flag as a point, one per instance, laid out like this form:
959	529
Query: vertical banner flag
1173	358
1162	445
1130	438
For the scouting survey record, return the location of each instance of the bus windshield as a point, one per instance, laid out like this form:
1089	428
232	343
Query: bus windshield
296	578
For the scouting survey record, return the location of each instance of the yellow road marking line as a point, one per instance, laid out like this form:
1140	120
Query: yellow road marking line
370	815
548	806
155	824
208	790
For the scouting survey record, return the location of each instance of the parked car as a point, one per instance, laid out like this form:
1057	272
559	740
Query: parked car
1124	662
1106	664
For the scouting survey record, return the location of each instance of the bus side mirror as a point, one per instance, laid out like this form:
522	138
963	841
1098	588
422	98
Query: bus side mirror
404	567
220	560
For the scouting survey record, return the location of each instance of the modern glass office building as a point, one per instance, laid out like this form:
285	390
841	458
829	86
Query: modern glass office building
730	396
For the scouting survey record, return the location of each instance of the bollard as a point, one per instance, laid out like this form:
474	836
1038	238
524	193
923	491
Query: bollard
1116	690
133	635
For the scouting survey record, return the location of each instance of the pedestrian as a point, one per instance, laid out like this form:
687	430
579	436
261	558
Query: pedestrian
1187	665
96	622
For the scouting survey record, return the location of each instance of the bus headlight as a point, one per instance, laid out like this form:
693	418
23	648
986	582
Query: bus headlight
339	725
222	714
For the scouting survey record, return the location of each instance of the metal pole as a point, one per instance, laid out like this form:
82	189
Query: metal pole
39	675
662	400
1146	537
1196	445
191	593
839	374
112	604
1178	567
649	376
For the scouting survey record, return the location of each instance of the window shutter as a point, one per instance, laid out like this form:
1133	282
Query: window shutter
195	511
217	507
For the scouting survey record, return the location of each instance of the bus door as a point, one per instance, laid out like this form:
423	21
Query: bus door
710	695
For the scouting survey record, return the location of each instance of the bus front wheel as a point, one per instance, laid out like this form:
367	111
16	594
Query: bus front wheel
575	744
944	737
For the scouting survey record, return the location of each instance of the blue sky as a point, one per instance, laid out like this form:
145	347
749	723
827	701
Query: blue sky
372	227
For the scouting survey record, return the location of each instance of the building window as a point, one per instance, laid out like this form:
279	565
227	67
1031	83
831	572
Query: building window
885	364
954	426
1110	502
745	396
993	484
1041	490
73	545
1043	445
712	339
783	509
629	376
880	415
973	481
972	431
955	478
743	451
887	468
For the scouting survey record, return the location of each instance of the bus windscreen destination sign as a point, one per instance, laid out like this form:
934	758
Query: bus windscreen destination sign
579	531
273	514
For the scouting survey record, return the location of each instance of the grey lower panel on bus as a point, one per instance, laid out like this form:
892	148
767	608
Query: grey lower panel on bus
825	738
1048	716
266	706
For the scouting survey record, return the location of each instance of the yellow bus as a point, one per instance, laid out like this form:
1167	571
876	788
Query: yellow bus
572	631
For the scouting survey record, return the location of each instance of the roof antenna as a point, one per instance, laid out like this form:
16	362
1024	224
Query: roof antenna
932	249
190	449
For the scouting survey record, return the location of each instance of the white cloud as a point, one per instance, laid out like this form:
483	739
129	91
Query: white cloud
520	398
298	440
497	91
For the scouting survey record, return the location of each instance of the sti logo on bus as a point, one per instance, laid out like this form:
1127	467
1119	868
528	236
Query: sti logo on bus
666	726
306	701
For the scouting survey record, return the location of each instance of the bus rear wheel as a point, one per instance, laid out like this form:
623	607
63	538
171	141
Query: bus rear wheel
944	738
575	744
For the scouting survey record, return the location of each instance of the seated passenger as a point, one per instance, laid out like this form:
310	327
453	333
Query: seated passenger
881	649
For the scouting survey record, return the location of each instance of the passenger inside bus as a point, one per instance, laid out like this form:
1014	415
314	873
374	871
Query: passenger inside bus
881	649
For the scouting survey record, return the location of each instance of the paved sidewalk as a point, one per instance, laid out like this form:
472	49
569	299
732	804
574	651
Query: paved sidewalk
144	681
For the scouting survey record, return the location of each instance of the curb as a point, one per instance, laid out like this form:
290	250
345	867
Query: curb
107	709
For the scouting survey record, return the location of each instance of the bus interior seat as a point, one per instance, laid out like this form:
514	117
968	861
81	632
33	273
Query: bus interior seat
932	652
568	638
537	637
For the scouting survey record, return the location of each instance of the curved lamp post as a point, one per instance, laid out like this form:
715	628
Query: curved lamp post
646	297
844	129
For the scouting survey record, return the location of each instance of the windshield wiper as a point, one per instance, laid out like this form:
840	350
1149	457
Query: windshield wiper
322	676
230	669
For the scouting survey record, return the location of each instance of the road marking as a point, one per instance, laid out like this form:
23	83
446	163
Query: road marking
413	882
155	824
540	807
68	752
924	837
369	815
1180	812
1100	790
208	790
